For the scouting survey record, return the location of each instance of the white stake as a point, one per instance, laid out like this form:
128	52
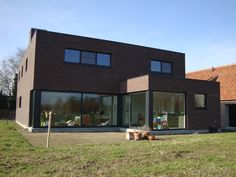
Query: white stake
49	127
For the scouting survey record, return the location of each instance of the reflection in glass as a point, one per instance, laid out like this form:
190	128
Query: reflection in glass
166	67
103	59
200	100
126	110
72	56
168	110
66	106
99	110
88	57
137	109
155	66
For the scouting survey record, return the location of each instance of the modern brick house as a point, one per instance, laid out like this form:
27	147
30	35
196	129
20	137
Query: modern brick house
106	85
226	76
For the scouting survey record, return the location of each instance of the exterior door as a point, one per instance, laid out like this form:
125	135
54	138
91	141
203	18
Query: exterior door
232	115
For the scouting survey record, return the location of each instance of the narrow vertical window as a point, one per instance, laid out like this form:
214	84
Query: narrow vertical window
26	64
20	100
22	69
19	76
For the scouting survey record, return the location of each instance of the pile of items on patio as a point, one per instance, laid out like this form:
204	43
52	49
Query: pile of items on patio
142	133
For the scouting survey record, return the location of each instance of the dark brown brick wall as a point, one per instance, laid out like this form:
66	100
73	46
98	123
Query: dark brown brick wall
127	61
196	118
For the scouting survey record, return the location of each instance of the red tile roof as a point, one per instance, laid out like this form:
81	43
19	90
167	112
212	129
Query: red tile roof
226	75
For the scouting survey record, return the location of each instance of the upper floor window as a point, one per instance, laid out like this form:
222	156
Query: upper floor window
72	56
88	57
103	59
200	100
161	66
26	64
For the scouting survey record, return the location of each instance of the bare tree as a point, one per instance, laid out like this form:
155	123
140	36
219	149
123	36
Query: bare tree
8	72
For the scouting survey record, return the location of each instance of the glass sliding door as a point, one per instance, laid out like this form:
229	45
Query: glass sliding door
137	109
65	105
134	109
168	110
126	110
99	110
77	109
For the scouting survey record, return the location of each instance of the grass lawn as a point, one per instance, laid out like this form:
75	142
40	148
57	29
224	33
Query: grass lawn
185	155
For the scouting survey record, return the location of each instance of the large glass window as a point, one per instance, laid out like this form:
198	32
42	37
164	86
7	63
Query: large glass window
134	109
138	109
88	57
200	100
72	56
168	110
99	110
126	110
103	59
65	106
161	66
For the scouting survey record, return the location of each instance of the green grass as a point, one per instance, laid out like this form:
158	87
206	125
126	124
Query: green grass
185	155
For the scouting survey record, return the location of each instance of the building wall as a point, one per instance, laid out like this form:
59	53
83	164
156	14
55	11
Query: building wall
26	83
196	118
127	61
225	113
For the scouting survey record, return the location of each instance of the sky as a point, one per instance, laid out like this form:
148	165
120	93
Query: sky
205	30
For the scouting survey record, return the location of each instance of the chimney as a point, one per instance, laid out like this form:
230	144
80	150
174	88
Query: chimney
32	31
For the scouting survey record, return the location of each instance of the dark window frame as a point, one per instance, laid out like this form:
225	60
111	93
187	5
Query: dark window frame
161	63
205	101
87	64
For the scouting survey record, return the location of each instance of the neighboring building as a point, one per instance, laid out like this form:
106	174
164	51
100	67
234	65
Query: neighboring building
107	85
226	75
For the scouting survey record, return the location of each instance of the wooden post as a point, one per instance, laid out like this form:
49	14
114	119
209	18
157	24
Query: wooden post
49	127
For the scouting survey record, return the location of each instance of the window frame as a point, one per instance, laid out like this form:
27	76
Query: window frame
87	64
72	61
205	101
161	69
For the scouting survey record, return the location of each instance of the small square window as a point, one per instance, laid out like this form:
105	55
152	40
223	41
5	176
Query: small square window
166	67
200	100
88	57
155	66
103	59
72	56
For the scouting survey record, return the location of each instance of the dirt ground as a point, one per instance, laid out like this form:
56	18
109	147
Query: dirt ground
59	139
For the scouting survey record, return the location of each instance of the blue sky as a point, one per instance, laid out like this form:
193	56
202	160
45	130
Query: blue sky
205	30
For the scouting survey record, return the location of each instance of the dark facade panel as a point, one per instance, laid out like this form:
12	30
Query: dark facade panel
197	118
127	61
